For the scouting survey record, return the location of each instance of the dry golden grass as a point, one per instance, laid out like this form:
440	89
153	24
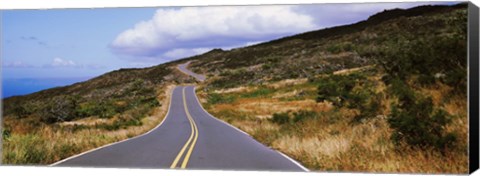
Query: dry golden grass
235	90
46	144
87	121
286	82
262	107
292	94
332	143
252	126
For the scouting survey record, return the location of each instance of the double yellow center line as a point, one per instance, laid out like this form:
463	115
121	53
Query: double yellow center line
190	144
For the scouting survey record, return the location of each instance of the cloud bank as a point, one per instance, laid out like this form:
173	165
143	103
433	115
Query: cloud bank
178	32
59	62
65	63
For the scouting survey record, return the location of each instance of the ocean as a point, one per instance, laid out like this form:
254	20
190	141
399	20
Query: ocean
24	86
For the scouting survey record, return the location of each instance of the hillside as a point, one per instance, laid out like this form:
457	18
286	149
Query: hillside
342	98
298	56
53	124
388	94
323	51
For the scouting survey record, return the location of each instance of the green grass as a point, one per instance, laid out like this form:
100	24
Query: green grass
27	149
260	92
214	98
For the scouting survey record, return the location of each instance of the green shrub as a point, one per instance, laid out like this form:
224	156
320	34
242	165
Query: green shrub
337	89
303	115
281	118
6	133
87	109
106	110
214	98
416	122
458	79
21	111
260	92
111	107
267	66
416	60
151	102
366	100
60	108
353	91
340	47
419	59
232	78
335	49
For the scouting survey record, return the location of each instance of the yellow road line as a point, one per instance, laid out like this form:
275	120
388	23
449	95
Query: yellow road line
193	135
187	156
179	155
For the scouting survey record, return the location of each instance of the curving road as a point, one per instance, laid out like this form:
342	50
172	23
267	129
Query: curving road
183	68
190	138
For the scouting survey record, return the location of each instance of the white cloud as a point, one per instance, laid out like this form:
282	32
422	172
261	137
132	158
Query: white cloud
253	43
59	62
64	63
208	27
56	63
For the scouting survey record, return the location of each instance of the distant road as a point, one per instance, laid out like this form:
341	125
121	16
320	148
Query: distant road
183	68
190	138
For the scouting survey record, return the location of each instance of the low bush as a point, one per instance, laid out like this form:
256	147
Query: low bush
338	48
353	91
6	133
303	115
260	92
21	110
61	108
281	118
214	98
335	89
417	122
232	78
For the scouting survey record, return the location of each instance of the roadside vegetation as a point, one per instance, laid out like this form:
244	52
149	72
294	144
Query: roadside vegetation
352	136
54	124
401	108
29	141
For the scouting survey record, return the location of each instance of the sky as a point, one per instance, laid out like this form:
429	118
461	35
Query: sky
83	43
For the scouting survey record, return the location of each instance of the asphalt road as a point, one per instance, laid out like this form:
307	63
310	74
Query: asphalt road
189	138
183	68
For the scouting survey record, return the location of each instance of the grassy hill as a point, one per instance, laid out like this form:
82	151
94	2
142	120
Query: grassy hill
53	124
322	51
387	94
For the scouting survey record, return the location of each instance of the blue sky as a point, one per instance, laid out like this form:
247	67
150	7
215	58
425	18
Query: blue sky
73	43
63	43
